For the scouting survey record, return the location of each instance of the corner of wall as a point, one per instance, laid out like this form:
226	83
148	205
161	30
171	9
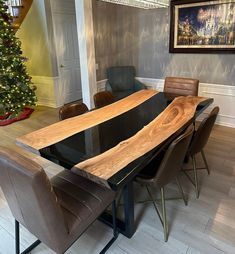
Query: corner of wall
35	39
45	90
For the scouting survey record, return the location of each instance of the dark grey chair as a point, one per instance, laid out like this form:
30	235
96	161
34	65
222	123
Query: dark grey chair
56	211
163	169
121	81
199	141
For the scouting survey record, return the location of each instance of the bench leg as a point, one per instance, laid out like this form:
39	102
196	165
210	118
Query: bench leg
115	230
17	241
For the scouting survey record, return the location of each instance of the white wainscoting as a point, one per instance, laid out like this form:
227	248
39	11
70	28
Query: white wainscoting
45	90
224	97
101	85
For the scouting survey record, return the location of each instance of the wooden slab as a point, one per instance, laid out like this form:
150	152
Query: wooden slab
54	133
100	168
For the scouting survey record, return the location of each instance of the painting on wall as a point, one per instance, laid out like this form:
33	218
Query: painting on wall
199	26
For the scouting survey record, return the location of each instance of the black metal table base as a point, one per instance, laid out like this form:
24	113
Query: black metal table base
127	226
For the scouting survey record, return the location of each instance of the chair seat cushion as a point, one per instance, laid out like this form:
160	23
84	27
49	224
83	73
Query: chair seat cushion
81	200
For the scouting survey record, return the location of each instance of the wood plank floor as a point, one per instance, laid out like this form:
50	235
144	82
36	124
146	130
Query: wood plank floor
206	225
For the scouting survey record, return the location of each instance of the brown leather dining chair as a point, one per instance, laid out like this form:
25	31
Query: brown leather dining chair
103	98
162	170
71	110
181	86
56	211
199	141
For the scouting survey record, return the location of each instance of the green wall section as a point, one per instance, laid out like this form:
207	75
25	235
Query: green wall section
34	37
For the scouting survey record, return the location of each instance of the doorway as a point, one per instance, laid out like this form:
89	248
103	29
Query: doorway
66	44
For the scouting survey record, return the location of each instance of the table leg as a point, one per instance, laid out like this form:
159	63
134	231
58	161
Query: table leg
128	198
126	227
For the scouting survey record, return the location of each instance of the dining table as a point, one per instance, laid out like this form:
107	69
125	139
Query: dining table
112	144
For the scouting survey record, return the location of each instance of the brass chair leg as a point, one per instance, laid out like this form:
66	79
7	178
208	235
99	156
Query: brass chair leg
154	203
205	161
195	176
195	182
165	226
181	191
163	217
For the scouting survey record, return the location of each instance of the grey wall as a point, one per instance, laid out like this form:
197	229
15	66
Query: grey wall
106	36
142	40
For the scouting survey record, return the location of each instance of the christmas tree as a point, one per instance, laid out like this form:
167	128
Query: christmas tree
16	90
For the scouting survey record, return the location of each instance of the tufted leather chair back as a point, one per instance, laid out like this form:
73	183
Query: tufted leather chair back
181	86
31	198
202	134
102	99
173	159
71	110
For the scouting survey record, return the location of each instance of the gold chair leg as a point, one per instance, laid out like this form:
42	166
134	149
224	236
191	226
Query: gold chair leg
154	203
205	161
195	176
181	191
163	217
165	226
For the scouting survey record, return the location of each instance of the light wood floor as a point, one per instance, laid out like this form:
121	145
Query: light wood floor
205	226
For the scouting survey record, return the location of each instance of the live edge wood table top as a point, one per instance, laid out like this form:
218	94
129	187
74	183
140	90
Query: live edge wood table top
107	145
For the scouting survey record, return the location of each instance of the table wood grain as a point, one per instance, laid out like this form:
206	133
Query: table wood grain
54	133
100	168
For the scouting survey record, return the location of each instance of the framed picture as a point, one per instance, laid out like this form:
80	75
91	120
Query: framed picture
199	26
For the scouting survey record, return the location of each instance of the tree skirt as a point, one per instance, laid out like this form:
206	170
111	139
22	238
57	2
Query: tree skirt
4	117
23	115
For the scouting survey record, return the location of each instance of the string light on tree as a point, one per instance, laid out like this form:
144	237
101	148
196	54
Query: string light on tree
16	90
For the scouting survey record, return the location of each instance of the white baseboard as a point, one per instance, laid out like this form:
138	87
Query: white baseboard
45	90
224	97
151	83
101	85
